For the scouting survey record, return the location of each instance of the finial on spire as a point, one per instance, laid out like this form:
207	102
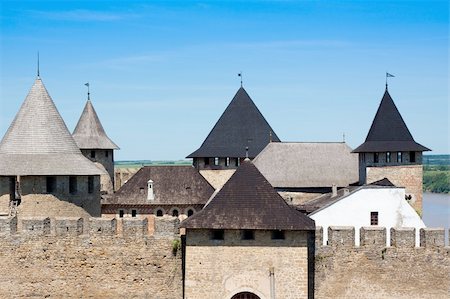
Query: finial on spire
87	84
388	76
240	75
38	64
343	137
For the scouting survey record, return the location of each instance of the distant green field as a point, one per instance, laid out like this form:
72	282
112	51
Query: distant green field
140	163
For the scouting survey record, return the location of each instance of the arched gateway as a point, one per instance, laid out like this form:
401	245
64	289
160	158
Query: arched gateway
245	295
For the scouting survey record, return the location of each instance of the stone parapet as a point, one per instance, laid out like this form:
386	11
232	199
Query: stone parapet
432	237
373	236
404	237
341	236
36	226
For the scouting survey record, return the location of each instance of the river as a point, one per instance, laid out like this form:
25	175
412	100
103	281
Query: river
436	211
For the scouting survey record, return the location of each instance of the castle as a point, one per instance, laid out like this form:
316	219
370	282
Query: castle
242	235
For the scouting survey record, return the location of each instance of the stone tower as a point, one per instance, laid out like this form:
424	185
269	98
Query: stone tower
391	152
241	125
91	138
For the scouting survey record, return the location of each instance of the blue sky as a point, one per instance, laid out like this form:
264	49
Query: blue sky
162	72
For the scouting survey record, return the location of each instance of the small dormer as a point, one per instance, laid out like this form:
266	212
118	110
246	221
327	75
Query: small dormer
150	194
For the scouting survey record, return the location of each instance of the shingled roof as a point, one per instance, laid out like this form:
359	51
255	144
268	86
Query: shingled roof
248	201
308	164
388	131
89	132
39	143
171	185
240	125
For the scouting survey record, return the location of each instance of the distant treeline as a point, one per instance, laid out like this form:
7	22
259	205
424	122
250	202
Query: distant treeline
436	175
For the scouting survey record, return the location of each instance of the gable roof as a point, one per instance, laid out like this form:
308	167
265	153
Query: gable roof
89	132
39	143
171	185
248	201
240	125
388	131
308	164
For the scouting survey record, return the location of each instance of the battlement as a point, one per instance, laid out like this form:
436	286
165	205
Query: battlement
375	237
75	226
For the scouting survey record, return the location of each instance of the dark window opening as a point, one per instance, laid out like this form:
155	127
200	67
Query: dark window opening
90	184
51	184
388	157
72	184
12	188
133	213
159	213
248	234
412	156
227	161
206	161
376	157
190	212
373	218
217	234
238	161
175	213
93	154
106	154
121	213
399	157
277	235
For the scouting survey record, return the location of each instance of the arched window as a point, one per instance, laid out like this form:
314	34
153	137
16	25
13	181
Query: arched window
190	212
175	213
159	212
245	295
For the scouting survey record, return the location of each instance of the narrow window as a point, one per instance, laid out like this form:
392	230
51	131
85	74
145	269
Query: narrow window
399	157
206	161
248	234
375	157
133	213
238	162
51	184
412	157
93	154
121	212
388	157
277	235
227	161
216	161
373	218
159	213
90	184
175	213
190	212
217	234
106	154
72	184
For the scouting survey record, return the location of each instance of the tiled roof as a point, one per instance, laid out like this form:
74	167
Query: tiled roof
248	201
171	185
39	143
241	125
308	164
89	132
388	131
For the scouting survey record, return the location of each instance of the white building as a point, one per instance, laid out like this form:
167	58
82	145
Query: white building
380	203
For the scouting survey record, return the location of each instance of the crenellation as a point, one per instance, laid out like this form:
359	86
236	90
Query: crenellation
432	237
132	227
36	226
8	225
69	226
372	236
403	237
319	236
104	226
166	226
341	236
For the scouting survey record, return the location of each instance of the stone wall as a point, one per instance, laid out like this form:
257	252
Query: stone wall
122	175
223	268
408	176
375	270
104	157
89	260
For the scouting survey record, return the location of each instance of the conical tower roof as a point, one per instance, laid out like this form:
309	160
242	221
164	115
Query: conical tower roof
241	125
248	201
388	131
89	132
39	143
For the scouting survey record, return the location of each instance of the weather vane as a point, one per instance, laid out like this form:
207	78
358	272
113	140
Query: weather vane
87	84
388	76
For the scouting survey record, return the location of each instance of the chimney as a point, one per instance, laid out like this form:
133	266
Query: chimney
150	194
333	190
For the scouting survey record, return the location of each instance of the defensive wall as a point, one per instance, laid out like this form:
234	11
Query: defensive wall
73	258
376	269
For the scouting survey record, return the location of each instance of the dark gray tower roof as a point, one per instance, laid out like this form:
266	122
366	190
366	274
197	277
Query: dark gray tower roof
241	125
248	201
39	143
89	132
388	131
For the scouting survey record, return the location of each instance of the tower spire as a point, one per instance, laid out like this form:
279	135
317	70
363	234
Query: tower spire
38	65
87	84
